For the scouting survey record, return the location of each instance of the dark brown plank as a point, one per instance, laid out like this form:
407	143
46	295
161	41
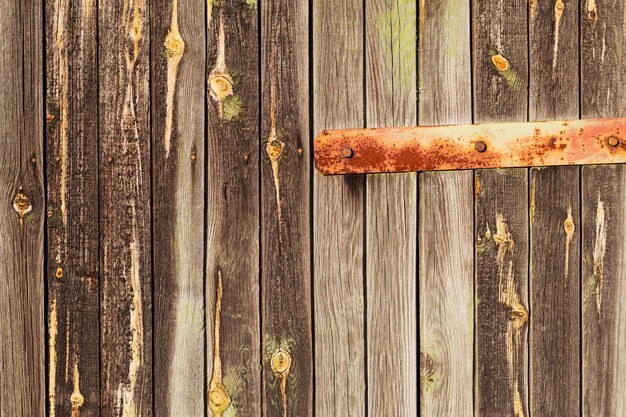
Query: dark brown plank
72	210
391	204
603	201
232	287
338	216
501	215
178	89
285	229
554	292
446	298
124	129
22	386
554	355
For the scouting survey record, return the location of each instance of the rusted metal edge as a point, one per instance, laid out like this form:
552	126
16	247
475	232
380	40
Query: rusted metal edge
497	145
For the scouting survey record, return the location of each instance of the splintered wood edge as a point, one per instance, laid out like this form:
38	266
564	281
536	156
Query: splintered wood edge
498	145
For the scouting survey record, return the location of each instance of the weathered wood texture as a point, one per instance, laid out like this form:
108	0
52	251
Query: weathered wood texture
391	204
125	235
72	271
338	99
178	88
232	272
554	355
446	299
500	52
603	203
22	329
285	210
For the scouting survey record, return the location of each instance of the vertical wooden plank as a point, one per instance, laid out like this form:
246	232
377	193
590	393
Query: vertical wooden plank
501	214
446	302
603	24
555	228
177	87
72	210
22	386
124	129
232	287
285	212
391	203
338	215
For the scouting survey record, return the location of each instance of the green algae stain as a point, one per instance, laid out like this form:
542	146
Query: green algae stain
233	107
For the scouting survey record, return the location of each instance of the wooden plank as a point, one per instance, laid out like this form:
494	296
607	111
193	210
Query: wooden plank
177	87
554	354
285	210
446	299
391	204
22	386
554	292
603	202
124	129
501	215
232	287
72	210
340	385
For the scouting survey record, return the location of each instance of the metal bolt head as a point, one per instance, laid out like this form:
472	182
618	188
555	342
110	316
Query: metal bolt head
613	141
480	146
347	153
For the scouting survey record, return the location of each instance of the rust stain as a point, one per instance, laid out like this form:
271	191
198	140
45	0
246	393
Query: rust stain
174	47
219	399
76	399
221	84
599	251
53	331
280	363
568	227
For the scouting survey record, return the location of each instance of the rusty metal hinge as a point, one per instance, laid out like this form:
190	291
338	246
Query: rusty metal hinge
497	145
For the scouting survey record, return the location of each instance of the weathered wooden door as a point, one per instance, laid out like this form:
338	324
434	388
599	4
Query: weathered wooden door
167	248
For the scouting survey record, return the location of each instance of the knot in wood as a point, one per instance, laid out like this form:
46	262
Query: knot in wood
274	149
500	62
21	204
174	44
559	6
77	399
220	85
219	400
280	362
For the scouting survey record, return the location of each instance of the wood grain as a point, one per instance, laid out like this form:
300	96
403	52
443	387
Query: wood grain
391	204
285	211
338	216
446	299
124	136
233	329
603	202
554	332
72	272
178	88
501	215
22	386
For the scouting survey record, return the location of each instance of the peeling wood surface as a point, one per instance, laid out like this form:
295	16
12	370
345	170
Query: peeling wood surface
178	51
233	221
125	235
339	298
445	225
286	335
391	204
603	202
22	328
72	272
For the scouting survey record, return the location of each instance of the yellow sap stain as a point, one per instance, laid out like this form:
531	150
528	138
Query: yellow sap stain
599	251
174	47
559	6
53	330
220	82
219	399
76	399
568	227
281	364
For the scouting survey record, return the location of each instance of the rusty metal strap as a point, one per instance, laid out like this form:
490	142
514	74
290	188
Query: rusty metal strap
497	145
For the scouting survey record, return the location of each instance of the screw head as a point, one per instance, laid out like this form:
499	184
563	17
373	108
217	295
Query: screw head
613	141
480	146
347	153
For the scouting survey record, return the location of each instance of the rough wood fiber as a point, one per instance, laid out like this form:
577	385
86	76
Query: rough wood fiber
22	386
554	292
124	130
554	354
285	229
603	202
390	42
446	300
338	216
500	48
178	88
233	329
72	188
